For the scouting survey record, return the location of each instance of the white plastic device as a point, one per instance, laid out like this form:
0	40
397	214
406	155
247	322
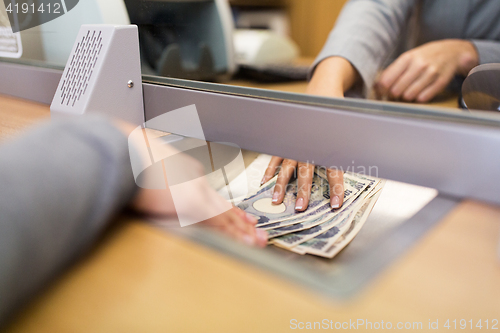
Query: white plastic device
263	47
102	75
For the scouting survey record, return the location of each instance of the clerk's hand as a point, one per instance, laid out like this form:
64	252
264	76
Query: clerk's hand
423	72
305	173
331	78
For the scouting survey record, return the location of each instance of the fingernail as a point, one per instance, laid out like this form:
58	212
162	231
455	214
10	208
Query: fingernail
275	196
261	235
251	218
263	180
299	204
335	202
249	240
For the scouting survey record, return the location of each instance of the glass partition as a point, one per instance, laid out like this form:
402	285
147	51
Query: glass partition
261	44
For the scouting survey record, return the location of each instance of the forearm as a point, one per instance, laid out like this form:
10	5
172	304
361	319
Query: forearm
332	77
488	51
59	186
467	56
365	34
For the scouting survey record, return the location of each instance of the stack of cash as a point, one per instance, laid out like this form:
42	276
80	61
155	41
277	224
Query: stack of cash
319	230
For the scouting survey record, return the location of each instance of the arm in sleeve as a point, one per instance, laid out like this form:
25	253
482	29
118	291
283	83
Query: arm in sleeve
488	51
59	185
366	33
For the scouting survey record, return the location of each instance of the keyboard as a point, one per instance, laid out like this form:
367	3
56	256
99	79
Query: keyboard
274	73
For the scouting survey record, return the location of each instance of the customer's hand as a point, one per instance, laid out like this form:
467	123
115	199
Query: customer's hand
191	197
239	225
199	202
423	72
305	173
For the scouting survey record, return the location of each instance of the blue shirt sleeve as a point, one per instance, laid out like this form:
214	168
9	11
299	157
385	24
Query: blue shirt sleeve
367	32
59	186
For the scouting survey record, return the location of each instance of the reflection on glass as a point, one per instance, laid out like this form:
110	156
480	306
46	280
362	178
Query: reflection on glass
10	42
184	39
48	28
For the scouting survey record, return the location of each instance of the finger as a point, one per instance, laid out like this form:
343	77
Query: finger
271	169
239	229
391	74
220	222
305	176
259	239
426	79
412	73
240	222
287	169
262	237
336	181
227	223
248	218
435	88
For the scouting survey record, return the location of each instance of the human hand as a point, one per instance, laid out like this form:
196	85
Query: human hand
233	222
304	178
423	72
239	225
190	197
201	201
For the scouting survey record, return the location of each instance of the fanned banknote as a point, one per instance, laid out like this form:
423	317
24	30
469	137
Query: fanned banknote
260	204
333	248
322	244
351	194
337	223
319	230
334	225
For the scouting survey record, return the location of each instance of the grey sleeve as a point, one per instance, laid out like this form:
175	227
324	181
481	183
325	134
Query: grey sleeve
366	34
488	51
59	185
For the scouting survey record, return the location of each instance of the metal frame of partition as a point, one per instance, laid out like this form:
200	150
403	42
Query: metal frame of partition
455	153
38	84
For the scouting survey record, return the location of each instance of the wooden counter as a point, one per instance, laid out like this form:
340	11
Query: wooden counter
141	279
